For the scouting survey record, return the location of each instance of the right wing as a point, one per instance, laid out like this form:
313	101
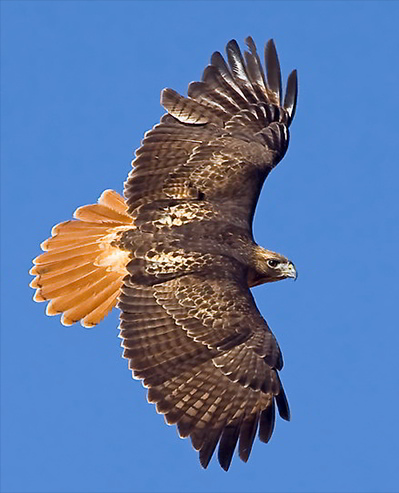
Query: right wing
209	359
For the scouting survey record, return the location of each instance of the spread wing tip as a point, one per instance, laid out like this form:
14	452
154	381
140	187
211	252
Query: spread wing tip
253	80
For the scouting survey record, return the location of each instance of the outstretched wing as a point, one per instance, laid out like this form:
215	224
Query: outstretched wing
209	359
220	143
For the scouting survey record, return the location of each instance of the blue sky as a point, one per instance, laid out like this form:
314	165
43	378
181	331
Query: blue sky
80	86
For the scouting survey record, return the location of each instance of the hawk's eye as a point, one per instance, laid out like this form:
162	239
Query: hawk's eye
272	263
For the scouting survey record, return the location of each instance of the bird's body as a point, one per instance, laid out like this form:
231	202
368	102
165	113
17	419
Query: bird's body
178	256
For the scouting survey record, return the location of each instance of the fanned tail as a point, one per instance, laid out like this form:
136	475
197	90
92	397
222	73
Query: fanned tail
82	269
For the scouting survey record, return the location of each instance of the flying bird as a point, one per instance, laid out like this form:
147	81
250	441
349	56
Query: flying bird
177	256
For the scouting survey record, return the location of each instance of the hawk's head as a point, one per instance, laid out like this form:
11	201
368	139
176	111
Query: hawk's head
269	267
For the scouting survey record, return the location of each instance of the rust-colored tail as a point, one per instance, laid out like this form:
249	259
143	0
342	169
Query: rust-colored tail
81	271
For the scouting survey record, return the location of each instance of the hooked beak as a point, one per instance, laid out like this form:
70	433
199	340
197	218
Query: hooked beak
289	270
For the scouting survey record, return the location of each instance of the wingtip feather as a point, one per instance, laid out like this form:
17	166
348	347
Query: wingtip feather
273	71
291	94
282	405
266	423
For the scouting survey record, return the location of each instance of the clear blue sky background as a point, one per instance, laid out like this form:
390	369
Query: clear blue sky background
80	86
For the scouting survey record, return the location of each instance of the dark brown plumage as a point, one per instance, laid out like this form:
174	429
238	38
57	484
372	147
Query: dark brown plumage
179	258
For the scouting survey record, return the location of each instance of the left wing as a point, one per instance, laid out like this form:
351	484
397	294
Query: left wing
220	143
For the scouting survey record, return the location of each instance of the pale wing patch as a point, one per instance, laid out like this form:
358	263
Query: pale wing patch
166	262
82	269
164	217
180	214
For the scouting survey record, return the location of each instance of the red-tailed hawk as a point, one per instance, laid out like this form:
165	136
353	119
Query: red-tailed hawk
178	258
